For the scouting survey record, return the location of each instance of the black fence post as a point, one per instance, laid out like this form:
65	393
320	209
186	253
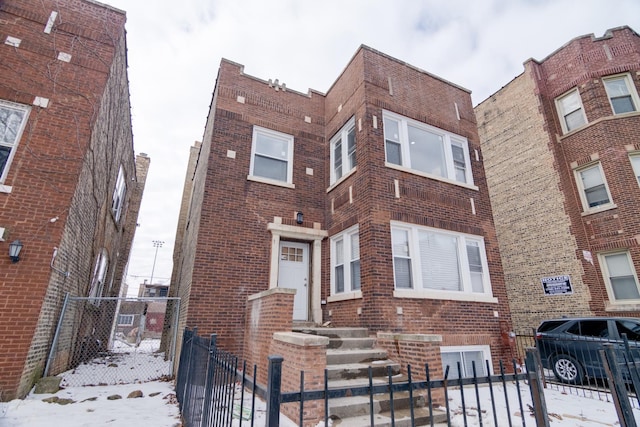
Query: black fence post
537	389
207	405
616	385
274	384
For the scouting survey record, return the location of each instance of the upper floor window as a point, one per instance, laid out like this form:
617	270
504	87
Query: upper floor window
118	195
635	163
620	276
622	94
345	261
272	156
426	149
594	191
343	151
571	111
13	118
433	260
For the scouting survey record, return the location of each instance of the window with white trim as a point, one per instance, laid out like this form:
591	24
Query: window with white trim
439	261
570	111
125	319
635	164
272	156
13	118
426	149
466	357
345	261
119	193
622	94
594	191
620	276
343	151
99	276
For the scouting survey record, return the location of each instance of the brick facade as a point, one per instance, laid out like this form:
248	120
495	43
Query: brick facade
230	247
530	162
57	194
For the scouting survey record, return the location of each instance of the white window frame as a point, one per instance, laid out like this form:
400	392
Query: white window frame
418	290
631	90
468	370
119	193
606	274
5	141
635	165
347	262
348	163
99	276
562	114
129	317
449	140
582	190
288	139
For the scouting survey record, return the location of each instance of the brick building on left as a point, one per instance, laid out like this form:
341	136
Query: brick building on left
70	183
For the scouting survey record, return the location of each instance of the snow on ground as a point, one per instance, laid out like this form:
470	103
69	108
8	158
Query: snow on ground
158	407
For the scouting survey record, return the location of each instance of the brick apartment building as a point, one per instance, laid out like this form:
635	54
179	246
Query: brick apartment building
70	185
370	201
561	146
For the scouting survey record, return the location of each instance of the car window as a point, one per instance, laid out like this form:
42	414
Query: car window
550	325
594	328
629	327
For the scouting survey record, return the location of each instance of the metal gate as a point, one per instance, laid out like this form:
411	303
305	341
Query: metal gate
110	340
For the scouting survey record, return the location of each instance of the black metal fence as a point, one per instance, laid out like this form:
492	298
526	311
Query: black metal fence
213	391
575	366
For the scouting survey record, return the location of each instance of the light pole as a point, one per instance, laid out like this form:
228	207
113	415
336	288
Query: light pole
156	244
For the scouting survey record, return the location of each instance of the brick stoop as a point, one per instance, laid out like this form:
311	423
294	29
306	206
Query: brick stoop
349	355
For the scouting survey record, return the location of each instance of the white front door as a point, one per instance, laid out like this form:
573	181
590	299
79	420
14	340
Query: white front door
293	273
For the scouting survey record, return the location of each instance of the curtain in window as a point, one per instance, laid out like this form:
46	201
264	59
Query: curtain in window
439	259
355	262
623	283
401	259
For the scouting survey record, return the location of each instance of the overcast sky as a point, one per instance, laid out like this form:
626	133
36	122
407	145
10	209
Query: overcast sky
175	48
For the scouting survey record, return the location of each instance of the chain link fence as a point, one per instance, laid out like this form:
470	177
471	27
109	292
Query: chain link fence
126	338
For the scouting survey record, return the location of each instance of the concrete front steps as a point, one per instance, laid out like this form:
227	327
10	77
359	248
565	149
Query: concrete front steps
350	353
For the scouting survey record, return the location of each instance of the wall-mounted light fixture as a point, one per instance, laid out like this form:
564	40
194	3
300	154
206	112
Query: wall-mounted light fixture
299	217
14	250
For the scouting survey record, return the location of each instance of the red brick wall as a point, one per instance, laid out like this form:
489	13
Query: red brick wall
266	313
582	63
231	249
52	176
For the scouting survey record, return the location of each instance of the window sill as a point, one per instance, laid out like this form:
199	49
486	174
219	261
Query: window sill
345	296
270	181
428	175
5	188
602	208
342	178
614	307
444	295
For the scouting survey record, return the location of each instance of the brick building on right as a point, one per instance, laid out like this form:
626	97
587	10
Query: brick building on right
561	148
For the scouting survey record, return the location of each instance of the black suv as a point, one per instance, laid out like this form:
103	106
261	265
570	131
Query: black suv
571	346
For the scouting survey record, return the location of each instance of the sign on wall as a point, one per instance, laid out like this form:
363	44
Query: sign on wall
557	285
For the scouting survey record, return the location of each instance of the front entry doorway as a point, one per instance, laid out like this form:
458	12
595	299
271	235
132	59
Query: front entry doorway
293	273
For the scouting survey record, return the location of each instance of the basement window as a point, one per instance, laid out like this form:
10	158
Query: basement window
466	357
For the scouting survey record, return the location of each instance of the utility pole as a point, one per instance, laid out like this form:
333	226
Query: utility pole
156	244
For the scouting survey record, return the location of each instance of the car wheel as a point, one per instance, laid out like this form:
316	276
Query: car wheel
567	369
